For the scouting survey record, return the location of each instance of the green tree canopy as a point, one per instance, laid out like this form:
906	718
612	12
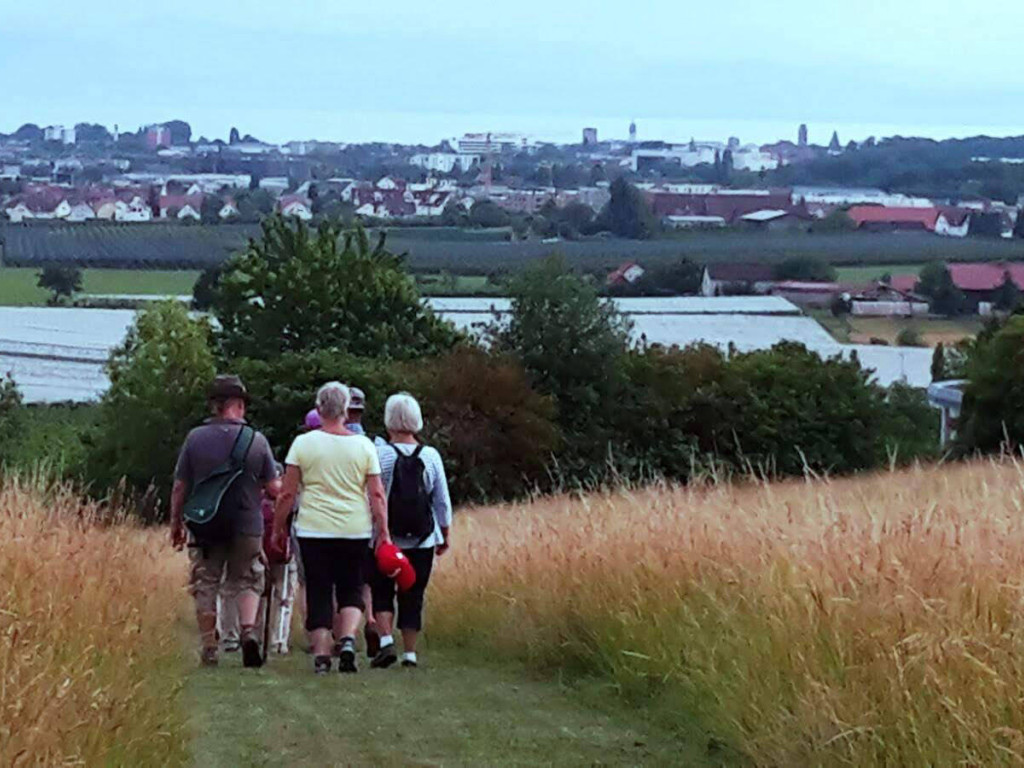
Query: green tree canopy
62	280
158	380
299	289
627	213
937	284
572	343
804	268
993	406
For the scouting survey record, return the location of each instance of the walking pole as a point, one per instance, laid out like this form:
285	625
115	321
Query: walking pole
268	595
284	627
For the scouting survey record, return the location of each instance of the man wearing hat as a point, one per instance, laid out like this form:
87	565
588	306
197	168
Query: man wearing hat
234	559
354	421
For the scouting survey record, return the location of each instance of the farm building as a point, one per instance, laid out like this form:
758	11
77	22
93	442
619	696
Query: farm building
722	279
776	220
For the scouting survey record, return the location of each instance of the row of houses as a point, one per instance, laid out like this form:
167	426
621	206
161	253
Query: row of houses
131	204
708	206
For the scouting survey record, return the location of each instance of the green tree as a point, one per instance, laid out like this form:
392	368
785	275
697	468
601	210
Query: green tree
209	211
1007	296
993	406
937	284
158	379
486	213
205	288
938	369
808	268
573	345
627	213
909	337
10	410
62	280
299	289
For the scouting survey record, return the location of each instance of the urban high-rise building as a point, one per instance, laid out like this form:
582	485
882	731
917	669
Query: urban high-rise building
802	135
632	132
589	136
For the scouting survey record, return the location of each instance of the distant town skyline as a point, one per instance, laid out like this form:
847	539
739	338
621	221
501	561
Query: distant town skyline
416	73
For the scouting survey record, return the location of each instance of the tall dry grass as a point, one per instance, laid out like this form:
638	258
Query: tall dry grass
872	621
89	662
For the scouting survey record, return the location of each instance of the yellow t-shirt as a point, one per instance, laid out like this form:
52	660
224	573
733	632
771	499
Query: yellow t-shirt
335	469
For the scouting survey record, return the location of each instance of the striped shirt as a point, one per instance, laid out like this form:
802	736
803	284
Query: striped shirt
436	483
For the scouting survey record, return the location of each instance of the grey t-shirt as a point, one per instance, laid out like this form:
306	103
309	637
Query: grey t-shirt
207	447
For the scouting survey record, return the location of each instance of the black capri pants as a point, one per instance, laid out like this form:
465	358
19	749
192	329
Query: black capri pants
410	604
335	568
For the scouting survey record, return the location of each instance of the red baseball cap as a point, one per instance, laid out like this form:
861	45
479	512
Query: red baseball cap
393	563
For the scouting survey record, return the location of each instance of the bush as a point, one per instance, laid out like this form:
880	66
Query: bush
496	434
909	337
993	406
808	268
158	381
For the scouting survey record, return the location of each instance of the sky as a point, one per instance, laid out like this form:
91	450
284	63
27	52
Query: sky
418	72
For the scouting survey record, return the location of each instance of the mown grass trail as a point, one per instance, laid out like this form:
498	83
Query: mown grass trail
446	713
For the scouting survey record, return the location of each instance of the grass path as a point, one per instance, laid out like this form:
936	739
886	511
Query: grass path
446	713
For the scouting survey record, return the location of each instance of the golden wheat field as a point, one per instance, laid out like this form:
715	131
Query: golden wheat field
870	621
90	667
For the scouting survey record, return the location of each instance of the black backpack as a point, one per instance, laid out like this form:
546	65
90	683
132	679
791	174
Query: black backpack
204	501
409	512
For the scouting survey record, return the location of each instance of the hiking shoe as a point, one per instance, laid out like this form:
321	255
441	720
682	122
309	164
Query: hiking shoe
321	665
372	642
251	655
347	656
409	664
385	657
208	657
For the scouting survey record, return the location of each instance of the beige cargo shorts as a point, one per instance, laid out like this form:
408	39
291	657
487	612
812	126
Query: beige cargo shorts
226	569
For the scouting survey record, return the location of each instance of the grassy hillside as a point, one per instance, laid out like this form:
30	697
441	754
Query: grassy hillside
86	609
871	621
865	621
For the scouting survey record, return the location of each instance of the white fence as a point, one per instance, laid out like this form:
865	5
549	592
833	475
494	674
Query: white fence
889	308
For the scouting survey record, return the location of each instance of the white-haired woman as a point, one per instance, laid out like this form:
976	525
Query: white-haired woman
343	505
414	478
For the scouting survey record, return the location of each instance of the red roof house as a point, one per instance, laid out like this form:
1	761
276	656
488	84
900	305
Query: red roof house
882	218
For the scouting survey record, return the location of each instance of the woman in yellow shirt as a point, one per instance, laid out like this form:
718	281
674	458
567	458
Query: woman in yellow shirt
342	506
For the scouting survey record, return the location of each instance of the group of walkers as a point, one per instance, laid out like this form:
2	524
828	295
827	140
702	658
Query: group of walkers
357	523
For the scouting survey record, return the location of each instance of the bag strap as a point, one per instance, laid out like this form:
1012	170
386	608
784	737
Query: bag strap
416	454
243	442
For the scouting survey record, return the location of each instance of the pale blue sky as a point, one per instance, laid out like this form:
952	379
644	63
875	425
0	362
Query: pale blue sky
420	71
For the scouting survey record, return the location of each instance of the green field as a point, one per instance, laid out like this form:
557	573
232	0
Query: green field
867	274
18	284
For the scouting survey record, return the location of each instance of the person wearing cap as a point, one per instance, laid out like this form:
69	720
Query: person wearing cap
356	408
342	506
232	568
404	421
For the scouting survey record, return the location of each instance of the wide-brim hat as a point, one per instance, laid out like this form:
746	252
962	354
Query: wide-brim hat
227	387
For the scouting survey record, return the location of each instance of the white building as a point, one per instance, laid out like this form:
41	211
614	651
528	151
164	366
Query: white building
491	143
59	133
81	212
444	162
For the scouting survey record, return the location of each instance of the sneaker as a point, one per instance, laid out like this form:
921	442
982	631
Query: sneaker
251	655
208	657
409	664
385	657
347	657
321	665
